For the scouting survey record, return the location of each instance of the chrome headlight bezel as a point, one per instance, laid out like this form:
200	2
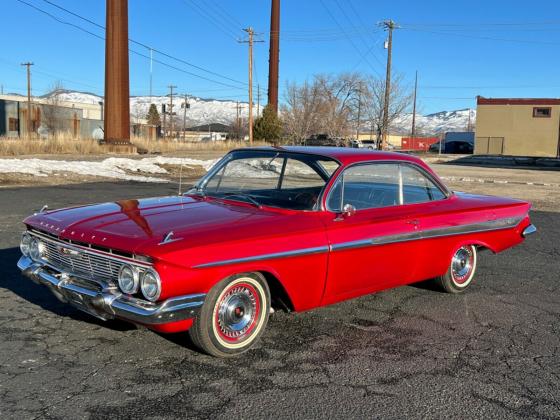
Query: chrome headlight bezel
150	284
134	276
25	243
37	249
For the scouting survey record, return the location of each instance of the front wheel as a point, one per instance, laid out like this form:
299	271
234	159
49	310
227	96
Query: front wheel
233	316
461	270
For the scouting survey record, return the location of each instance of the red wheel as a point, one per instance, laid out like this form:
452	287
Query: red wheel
233	316
461	270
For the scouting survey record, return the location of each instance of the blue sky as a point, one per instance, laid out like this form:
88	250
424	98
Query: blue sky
460	48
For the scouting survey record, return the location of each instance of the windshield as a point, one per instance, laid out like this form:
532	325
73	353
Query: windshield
271	178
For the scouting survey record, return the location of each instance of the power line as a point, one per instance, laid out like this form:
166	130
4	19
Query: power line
488	38
138	53
349	39
483	24
141	44
350	21
202	12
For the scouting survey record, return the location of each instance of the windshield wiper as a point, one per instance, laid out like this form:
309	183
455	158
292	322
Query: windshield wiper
197	191
249	197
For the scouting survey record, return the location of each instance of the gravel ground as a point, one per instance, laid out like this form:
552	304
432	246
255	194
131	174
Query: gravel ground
493	352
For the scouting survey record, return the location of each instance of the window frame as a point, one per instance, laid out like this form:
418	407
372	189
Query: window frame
536	108
286	154
446	192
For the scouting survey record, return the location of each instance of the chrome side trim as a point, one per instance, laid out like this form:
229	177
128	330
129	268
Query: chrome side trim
529	230
286	254
107	302
491	225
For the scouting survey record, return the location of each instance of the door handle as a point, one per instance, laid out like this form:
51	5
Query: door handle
413	222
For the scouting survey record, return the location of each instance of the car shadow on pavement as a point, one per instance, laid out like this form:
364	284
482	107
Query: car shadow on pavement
526	163
12	280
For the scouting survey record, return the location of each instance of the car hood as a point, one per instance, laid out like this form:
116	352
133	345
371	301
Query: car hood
133	225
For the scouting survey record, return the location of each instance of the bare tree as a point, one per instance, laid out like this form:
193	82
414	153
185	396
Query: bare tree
400	99
53	114
300	113
324	106
335	104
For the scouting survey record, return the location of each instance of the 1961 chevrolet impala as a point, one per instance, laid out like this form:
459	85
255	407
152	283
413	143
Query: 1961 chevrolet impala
292	228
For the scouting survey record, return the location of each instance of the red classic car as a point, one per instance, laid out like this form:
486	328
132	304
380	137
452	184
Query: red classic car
292	228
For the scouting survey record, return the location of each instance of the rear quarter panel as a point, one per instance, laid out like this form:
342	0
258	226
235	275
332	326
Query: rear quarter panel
467	210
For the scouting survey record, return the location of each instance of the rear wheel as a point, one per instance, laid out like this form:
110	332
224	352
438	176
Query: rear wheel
461	270
233	316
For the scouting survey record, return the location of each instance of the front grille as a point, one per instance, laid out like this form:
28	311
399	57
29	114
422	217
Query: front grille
85	264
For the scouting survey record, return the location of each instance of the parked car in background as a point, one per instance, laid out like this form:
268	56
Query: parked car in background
453	147
324	140
368	144
289	228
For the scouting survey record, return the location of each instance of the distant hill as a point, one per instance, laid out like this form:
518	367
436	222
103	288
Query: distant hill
205	111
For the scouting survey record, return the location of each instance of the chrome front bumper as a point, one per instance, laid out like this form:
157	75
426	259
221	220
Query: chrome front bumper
107	302
529	230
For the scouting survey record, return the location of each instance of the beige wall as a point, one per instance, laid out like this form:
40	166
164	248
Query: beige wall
522	134
391	138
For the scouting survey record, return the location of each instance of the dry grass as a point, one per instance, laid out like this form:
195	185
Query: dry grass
66	144
170	146
62	144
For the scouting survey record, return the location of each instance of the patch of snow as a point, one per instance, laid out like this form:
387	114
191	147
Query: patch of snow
117	168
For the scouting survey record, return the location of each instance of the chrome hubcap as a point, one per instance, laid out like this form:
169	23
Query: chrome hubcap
462	265
237	312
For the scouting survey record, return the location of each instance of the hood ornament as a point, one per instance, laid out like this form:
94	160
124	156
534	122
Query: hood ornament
168	238
43	209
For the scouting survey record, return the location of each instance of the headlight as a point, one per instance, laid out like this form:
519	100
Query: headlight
151	285
37	249
128	279
25	244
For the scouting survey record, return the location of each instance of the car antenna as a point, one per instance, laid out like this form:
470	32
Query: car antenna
180	178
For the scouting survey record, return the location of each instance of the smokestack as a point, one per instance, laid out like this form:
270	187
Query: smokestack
274	55
117	105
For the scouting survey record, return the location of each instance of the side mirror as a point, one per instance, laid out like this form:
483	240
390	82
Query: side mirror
347	211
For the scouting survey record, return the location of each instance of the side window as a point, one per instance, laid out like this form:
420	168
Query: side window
298	175
367	186
417	188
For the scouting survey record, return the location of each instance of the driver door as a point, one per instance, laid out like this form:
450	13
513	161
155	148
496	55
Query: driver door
369	250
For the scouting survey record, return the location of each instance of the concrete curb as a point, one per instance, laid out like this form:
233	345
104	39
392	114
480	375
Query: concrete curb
497	181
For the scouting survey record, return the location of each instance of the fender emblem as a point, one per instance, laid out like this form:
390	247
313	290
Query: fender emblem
67	251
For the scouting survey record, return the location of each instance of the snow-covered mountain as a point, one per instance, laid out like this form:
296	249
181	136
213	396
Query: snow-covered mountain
201	111
205	111
437	123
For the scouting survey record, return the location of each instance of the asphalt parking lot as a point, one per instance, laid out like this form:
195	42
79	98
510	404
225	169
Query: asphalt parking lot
413	352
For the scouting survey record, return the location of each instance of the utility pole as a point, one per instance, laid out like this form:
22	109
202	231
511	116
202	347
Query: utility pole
469	127
274	55
29	130
258	99
151	71
164	114
389	26
359	112
237	123
414	106
117	85
185	106
251	41
171	87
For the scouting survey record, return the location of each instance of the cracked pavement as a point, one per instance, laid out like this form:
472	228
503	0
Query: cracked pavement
493	352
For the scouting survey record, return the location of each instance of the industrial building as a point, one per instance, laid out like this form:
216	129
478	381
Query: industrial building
518	127
80	120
